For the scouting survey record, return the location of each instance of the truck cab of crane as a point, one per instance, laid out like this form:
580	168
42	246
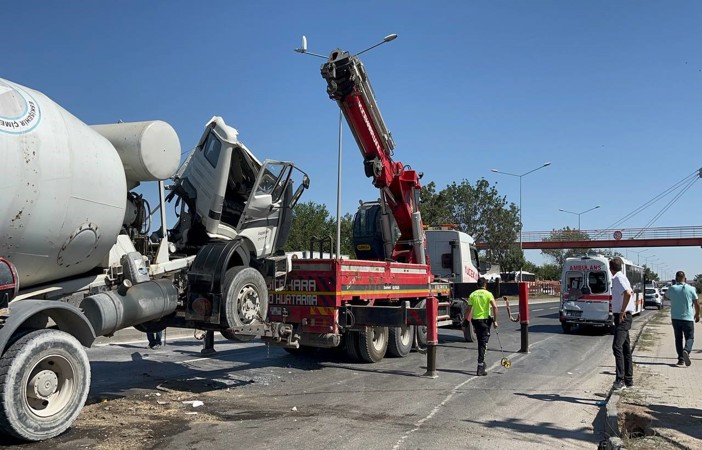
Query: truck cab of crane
452	254
227	193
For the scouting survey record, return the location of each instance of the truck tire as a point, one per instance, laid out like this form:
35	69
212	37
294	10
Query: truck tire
468	331
246	299
372	343
351	345
401	340
44	382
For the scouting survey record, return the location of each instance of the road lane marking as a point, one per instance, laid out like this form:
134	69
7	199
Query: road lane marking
541	309
514	357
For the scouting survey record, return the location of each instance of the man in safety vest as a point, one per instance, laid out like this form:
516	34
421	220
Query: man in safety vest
479	304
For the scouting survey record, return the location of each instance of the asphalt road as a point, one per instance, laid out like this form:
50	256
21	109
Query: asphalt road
262	397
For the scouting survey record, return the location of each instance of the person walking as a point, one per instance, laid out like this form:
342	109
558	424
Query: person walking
155	341
622	308
683	298
479	303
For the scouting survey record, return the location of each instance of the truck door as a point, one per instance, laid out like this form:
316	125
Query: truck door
267	213
202	179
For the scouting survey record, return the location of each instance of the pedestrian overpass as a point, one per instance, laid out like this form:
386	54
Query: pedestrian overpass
610	238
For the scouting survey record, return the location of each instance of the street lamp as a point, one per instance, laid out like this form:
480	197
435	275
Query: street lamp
653	258
638	255
303	50
579	213
521	225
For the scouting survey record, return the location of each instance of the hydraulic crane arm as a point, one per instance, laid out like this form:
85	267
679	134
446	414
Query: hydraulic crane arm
349	86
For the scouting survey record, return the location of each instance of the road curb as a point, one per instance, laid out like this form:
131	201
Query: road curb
614	441
613	422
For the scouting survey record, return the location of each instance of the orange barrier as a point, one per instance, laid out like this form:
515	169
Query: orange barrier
544	288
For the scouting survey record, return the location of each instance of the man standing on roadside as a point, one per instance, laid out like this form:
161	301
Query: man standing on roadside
479	303
683	298
622	308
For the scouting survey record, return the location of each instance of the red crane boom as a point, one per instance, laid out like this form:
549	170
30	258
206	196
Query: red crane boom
348	84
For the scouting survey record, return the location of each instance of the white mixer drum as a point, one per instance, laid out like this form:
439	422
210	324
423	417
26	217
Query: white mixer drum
63	188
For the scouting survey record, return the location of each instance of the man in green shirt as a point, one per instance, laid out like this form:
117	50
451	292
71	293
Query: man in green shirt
684	312
479	304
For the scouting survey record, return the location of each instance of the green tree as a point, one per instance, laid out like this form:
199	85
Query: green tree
346	235
565	234
312	220
435	206
650	275
550	272
698	283
480	211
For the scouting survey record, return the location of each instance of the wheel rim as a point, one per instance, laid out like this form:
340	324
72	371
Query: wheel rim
406	335
248	304
378	338
50	386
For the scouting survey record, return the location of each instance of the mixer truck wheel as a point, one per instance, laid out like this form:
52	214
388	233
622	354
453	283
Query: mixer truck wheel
246	299
373	342
44	382
401	340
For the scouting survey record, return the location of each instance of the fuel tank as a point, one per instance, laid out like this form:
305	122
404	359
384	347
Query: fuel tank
63	188
150	151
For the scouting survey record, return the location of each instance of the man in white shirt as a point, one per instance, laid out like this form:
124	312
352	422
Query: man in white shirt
622	308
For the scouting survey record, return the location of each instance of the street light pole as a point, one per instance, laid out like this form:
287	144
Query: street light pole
638	255
521	224
579	213
303	50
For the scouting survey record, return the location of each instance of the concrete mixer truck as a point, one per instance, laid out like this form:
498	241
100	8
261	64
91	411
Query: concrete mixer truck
80	258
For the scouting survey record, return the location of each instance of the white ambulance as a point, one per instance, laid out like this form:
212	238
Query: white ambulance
586	291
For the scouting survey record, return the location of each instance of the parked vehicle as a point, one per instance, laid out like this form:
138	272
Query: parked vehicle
653	297
664	289
586	291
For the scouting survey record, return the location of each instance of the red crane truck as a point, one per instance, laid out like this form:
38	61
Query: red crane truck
369	307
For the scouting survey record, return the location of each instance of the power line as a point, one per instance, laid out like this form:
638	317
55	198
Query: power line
687	182
666	207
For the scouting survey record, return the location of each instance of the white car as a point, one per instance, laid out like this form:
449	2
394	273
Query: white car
653	297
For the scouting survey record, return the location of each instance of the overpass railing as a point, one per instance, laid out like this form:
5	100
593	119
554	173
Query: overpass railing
613	234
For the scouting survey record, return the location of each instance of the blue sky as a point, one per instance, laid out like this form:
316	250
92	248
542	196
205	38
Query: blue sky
609	92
